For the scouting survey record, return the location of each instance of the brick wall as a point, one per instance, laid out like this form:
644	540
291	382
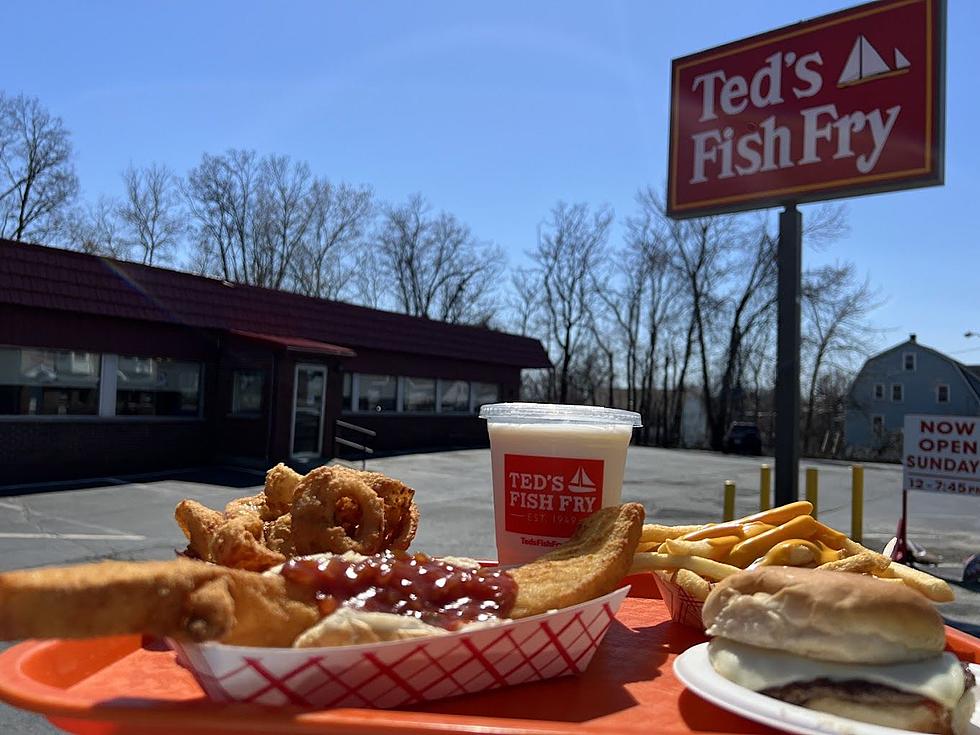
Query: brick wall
37	451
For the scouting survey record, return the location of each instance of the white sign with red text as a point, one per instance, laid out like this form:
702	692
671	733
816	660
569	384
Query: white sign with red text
941	454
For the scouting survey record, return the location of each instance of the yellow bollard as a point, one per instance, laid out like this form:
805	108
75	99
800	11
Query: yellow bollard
729	512
811	488
857	502
765	487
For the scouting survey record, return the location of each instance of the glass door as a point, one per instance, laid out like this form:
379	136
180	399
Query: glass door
308	404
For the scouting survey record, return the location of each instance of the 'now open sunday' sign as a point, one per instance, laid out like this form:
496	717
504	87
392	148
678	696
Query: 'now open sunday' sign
941	454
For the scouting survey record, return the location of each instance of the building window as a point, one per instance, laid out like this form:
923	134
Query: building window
879	391
908	361
454	396
346	404
377	392
484	393
419	394
48	382
942	393
247	389
157	386
898	392
878	426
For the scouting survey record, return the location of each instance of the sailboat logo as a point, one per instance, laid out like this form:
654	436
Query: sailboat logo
581	482
865	64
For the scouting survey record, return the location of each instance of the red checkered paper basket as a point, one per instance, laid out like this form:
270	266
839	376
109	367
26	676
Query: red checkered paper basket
683	606
400	673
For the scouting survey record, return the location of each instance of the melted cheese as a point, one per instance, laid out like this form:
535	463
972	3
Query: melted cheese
940	678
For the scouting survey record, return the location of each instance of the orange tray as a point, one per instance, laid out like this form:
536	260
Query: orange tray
128	686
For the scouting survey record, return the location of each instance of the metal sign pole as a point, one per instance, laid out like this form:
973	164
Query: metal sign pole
789	256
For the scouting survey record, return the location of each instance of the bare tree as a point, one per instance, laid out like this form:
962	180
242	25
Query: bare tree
94	228
252	215
221	196
438	268
835	307
644	304
750	300
38	181
570	246
340	215
523	302
150	213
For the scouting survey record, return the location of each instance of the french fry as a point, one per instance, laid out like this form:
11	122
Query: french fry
862	563
652	546
853	548
745	552
755	528
830	537
709	568
782	514
697	587
932	587
729	528
715	548
792	553
657	533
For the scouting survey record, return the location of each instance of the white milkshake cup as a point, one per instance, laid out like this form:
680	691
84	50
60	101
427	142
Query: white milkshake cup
552	466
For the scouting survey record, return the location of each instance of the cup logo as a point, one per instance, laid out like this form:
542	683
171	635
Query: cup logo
548	496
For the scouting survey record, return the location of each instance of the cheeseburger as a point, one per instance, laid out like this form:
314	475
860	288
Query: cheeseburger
845	644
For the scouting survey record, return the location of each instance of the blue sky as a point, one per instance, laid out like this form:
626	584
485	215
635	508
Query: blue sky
494	111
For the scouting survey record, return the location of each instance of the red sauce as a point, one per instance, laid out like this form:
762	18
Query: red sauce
433	591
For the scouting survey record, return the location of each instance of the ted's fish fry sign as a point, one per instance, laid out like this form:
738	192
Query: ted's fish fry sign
941	454
848	103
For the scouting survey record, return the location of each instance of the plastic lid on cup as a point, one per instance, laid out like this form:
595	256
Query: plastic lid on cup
554	413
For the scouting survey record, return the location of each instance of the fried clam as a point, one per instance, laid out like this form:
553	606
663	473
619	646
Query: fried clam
590	564
199	524
235	541
280	488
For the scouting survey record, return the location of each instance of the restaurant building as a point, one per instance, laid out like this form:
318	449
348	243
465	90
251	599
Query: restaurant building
110	367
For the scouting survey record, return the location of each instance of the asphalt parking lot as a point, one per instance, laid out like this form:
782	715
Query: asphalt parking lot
132	518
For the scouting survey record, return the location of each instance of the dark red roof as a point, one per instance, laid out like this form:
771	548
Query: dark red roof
49	278
297	344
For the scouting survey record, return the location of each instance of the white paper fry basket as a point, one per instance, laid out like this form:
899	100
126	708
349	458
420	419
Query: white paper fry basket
405	672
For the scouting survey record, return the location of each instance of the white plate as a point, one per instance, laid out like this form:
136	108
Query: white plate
697	674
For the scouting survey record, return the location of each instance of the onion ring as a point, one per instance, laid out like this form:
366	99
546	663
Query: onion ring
314	525
406	532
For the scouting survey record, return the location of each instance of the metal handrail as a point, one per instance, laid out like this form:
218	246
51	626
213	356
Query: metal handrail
354	445
354	427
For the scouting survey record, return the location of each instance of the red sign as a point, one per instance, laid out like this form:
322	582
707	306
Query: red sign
849	103
548	496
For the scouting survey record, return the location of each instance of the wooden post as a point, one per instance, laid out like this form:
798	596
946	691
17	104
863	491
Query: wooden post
729	510
857	502
765	487
811	488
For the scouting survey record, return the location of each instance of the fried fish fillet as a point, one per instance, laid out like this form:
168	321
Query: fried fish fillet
590	564
181	598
